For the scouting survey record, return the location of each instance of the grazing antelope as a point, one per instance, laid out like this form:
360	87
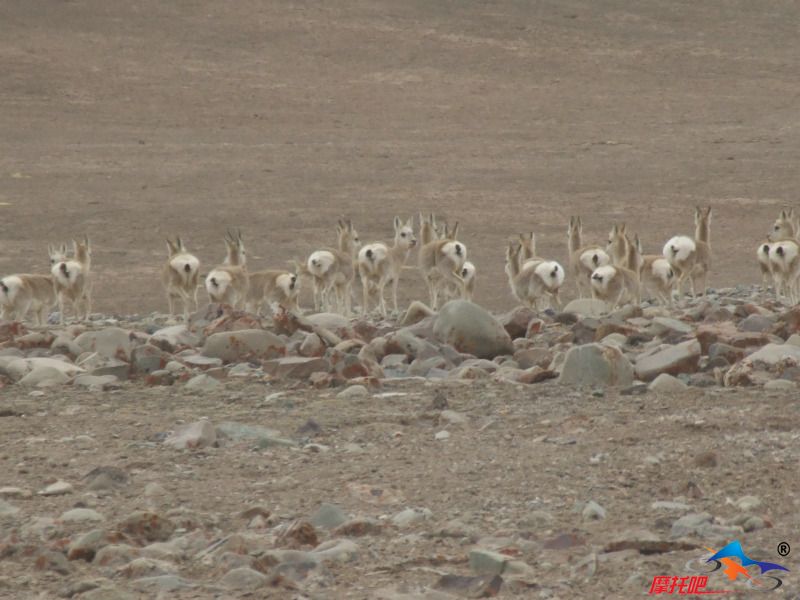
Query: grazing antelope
72	280
180	276
534	279
229	282
380	264
332	271
655	273
583	260
21	293
273	286
440	262
618	284
691	258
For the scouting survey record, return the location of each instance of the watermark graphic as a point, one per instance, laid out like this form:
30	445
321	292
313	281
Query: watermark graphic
730	561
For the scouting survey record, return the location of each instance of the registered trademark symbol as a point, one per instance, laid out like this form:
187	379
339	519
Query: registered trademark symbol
784	548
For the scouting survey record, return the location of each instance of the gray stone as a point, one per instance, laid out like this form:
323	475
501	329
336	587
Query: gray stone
59	488
470	328
662	326
109	592
44	376
203	383
587	307
748	503
334	323
174	338
773	354
680	358
593	511
148	358
96	382
81	515
85	547
337	551
780	385
756	323
199	434
165	583
667	384
112	366
328	516
668	505
242	431
488	562
353	391
410	516
691	524
111	342
596	364
244	344
7	510
243	578
296	367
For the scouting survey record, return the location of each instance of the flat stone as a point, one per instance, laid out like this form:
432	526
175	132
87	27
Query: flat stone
244	344
204	384
587	307
328	516
680	358
199	434
296	367
353	391
81	515
667	384
243	579
59	488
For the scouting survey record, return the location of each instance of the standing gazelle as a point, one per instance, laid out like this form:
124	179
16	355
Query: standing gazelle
180	276
379	264
229	282
691	258
72	280
332	270
441	262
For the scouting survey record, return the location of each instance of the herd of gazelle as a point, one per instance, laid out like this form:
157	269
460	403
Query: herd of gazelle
616	271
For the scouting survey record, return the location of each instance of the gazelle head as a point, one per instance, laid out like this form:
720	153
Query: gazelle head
404	233
57	254
784	227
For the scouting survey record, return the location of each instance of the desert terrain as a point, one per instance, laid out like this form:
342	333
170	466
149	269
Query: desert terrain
132	122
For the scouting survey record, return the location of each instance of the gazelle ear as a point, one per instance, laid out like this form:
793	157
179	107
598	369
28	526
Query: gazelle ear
170	248
410	222
622	228
397	223
64	249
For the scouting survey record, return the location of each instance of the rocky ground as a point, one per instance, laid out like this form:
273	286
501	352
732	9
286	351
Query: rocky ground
458	455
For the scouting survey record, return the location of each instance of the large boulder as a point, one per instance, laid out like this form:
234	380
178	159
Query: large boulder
470	328
243	345
111	342
596	364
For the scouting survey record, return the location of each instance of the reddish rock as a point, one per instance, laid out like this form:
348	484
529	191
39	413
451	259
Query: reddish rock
516	322
146	526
